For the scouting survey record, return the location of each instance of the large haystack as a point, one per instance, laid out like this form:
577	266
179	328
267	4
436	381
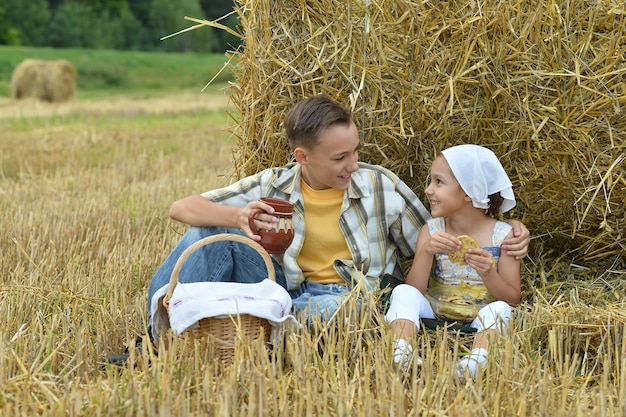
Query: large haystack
44	80
543	84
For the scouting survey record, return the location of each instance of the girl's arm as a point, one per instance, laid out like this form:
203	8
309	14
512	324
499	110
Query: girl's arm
425	249
503	283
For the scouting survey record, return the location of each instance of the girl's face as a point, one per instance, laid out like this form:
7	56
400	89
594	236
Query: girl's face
444	192
331	163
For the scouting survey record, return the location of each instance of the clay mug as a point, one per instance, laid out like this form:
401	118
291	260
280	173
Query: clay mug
278	238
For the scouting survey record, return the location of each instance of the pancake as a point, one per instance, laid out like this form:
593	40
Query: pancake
459	255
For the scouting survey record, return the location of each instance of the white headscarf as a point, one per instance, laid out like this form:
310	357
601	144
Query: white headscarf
480	174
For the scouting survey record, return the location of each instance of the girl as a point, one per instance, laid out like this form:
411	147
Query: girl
468	187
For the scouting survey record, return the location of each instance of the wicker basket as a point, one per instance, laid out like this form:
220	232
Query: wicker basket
223	333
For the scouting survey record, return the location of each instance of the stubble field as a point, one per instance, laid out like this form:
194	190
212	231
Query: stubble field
84	193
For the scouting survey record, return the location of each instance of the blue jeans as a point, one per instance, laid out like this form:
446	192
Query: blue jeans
321	300
223	261
229	261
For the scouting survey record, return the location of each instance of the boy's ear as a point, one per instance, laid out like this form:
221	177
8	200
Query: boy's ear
301	155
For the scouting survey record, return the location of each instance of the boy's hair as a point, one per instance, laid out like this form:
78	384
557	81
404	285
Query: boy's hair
306	120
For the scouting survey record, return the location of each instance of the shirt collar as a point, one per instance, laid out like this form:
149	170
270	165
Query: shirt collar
290	181
287	183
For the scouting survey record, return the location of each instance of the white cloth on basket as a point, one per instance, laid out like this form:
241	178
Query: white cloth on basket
194	301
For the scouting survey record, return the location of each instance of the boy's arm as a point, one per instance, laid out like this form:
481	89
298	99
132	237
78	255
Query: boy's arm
196	210
413	216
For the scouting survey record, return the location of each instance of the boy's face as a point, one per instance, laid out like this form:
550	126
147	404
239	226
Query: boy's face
331	163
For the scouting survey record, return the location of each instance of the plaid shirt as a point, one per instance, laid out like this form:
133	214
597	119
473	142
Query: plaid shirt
380	219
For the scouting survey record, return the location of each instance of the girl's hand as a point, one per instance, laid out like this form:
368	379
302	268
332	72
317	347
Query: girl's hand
263	219
442	242
480	259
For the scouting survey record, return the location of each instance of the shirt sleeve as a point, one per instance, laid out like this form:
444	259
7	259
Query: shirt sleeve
242	192
413	216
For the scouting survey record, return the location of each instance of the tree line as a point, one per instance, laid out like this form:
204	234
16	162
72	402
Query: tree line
116	24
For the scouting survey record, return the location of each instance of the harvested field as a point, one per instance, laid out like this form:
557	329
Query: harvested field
128	106
85	188
83	202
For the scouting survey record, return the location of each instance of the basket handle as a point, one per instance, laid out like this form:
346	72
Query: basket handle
271	273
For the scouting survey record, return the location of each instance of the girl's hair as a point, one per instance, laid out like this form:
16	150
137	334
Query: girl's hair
306	120
495	205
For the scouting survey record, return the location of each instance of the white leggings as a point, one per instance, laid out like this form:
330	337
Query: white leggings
408	303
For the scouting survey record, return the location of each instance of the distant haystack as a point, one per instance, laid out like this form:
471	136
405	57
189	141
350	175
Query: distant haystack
45	80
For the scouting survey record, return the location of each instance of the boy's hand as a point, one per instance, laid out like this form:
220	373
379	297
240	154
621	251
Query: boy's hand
517	246
262	215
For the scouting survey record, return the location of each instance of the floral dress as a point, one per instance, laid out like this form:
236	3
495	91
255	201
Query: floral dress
446	272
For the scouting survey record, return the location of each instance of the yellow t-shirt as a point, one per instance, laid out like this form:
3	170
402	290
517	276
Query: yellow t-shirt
323	240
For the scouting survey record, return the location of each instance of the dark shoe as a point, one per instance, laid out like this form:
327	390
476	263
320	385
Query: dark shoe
122	359
434	324
118	360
